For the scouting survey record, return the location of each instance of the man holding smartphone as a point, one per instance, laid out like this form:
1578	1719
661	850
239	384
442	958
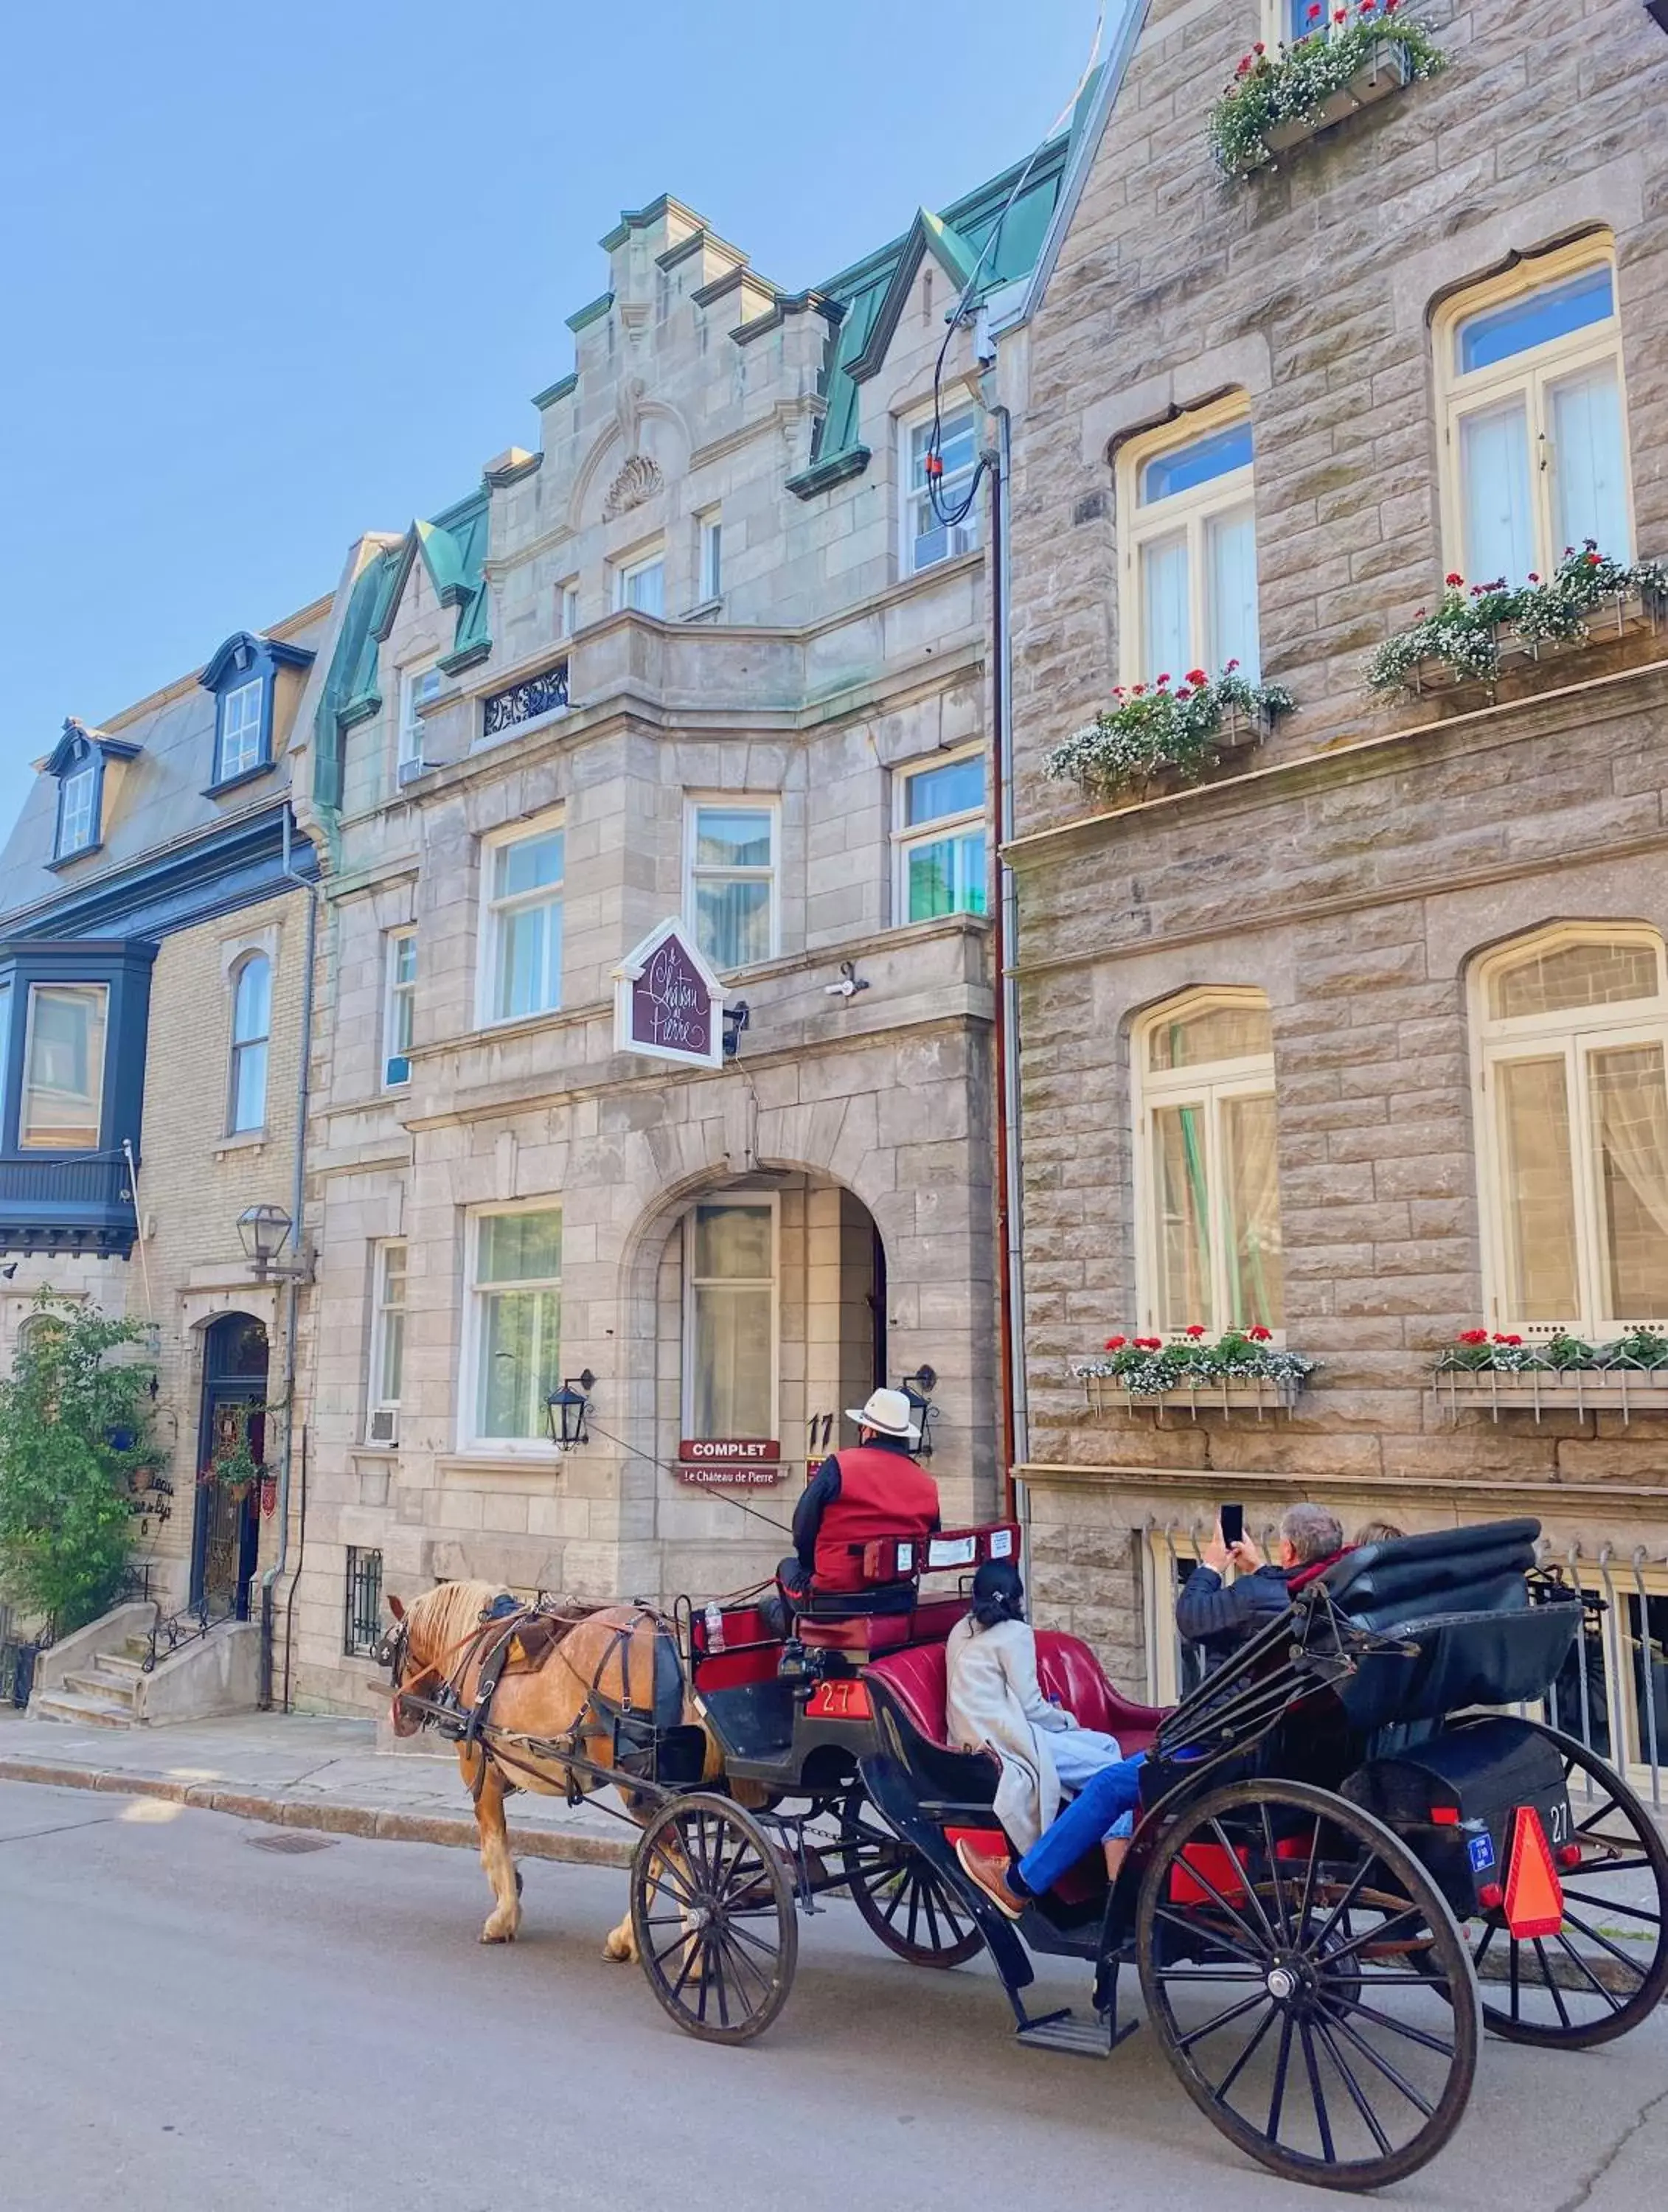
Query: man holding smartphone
1220	1616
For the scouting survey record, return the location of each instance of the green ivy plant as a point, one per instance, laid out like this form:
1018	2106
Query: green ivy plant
1148	1367
1464	631
1158	726
74	1432
1294	82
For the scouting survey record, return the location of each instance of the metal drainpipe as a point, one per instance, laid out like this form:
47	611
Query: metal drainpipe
1005	938
292	1307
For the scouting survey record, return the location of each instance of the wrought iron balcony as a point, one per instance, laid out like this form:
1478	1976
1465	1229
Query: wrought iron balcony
81	1203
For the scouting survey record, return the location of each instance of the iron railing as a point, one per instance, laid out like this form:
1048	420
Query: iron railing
361	1613
169	1632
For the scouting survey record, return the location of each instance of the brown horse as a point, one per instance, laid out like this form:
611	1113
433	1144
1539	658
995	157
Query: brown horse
606	1658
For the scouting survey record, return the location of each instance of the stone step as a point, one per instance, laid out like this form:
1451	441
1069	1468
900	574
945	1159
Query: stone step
85	1712
115	1690
137	1648
121	1663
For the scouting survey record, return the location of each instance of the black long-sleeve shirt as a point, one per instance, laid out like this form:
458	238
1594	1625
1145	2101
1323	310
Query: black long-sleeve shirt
1219	1617
819	1494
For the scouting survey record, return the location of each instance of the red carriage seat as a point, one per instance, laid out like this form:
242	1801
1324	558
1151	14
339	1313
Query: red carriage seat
1066	1669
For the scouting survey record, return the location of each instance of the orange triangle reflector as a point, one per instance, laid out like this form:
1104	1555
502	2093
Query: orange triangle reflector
1534	1895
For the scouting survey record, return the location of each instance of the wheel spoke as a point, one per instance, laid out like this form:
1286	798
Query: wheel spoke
1550	1979
1419	2035
1357	2096
1608	1996
1357	1883
1619	1905
1179	1919
1596	1936
1221	2091
1285	1929
1370	1935
1377	2058
750	1936
1234	2012
1257	1950
1232	1856
1322	2117
1277	2094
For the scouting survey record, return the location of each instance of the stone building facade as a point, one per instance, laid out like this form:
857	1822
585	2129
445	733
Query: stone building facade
154	925
1360	1038
705	656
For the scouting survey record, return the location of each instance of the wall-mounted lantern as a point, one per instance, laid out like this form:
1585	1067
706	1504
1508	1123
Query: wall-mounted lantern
264	1230
918	1389
567	1408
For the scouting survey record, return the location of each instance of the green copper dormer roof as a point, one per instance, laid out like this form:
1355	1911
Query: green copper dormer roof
873	292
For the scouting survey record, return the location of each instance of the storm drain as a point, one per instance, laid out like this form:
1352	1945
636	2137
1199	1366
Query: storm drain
289	1839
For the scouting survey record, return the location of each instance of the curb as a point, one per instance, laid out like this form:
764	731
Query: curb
332	1817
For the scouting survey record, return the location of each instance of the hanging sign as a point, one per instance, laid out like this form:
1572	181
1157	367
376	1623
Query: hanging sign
755	1461
668	1005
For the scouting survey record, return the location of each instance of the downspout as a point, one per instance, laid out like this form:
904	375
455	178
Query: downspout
293	1289
1004	940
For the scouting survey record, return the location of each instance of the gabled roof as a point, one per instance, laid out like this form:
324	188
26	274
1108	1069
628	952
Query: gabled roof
77	741
242	650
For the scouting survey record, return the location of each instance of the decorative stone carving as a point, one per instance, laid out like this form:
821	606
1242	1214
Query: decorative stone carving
639	480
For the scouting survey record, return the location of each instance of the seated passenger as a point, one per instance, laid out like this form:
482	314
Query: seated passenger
1102	1813
1221	1617
995	1704
855	1497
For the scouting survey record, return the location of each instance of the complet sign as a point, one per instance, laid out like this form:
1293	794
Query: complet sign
755	1461
667	1002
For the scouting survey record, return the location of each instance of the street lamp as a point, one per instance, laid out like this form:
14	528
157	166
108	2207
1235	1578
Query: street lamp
264	1230
918	1389
566	1409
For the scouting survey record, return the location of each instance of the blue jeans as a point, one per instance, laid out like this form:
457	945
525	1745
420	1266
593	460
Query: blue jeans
1101	1807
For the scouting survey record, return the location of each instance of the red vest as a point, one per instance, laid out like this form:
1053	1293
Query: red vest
882	1493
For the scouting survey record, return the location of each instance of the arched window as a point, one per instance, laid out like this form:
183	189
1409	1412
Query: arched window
1534	445
1571	1025
1207	1196
1187	529
252	1026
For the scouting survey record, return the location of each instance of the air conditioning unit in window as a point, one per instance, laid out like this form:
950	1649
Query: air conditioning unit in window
410	770
385	1425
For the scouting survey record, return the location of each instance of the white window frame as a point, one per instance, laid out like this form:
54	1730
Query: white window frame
1276	33
709	556
906	835
567	607
1210	1085
626	572
750	802
398	992
1191	511
237	1046
97	1076
225	771
377	1400
1529	373
1577	1032
760	1201
965	534
83	777
472	1336
419	685
490	910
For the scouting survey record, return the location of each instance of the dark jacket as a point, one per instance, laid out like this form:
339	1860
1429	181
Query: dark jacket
1221	1618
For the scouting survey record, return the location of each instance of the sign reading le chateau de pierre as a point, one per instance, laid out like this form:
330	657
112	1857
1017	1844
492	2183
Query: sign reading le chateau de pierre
667	1002
752	1461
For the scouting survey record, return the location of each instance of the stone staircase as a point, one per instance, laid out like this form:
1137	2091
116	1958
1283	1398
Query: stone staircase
101	1694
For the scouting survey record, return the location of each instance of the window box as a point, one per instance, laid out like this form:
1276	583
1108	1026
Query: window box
1266	1397
1157	736
1243	1371
1480	633
1386	70
1537	1390
1280	101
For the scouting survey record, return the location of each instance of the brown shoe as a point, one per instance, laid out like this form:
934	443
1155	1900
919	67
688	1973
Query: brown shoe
990	1874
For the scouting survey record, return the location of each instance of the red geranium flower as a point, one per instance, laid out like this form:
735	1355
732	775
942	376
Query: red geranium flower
1314	11
1149	1344
1474	1336
1341	15
1195	1330
1196	676
1499	1339
1260	48
1258	1334
1533	578
1231	665
1164	679
1115	1343
1593	559
1453	576
1139	690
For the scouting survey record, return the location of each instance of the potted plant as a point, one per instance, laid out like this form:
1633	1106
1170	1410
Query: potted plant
1242	1368
233	1465
1165	728
1478	629
1503	1372
1347	59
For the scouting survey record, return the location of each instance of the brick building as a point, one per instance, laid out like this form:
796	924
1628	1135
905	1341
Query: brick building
1360	1038
705	657
154	925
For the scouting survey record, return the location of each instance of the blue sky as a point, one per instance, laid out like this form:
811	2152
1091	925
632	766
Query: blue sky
275	276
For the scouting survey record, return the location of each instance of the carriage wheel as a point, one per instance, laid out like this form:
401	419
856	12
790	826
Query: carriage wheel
1606	1969
900	1896
713	1916
1308	1984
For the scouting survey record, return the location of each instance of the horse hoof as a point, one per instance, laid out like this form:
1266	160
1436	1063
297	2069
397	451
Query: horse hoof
491	1935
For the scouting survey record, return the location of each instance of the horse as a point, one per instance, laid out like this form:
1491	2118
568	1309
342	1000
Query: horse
599	1663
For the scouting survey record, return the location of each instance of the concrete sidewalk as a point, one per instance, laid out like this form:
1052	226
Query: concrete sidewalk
301	1772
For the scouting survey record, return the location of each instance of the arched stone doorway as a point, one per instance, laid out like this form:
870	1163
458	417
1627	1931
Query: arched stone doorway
226	1530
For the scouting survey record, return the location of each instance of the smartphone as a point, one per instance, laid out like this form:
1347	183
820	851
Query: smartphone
1232	1518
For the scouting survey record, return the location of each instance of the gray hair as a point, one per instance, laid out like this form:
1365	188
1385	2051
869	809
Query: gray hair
1312	1532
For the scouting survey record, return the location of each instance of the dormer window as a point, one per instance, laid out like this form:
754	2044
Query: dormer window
78	761
78	810
241	744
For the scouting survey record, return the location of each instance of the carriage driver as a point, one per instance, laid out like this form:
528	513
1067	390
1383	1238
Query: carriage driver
876	1490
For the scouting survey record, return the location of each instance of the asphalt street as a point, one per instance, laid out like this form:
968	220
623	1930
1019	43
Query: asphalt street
187	2018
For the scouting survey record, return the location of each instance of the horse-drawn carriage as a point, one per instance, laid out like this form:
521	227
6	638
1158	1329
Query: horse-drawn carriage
1357	1845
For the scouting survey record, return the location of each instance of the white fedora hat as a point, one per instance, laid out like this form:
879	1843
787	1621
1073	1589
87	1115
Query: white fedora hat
888	1413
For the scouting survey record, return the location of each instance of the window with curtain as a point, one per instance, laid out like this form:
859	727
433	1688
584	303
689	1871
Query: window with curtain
940	838
63	1102
516	1332
252	1030
733	881
1573	1030
730	1319
1207	1193
642	584
523	930
1535	446
1188	529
